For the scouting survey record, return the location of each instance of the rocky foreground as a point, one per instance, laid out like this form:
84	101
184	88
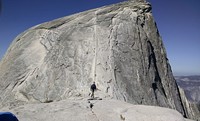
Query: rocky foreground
93	110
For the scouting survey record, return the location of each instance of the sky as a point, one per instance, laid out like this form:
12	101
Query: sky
178	22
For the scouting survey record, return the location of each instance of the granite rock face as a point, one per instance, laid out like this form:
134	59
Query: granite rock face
102	110
192	108
117	46
191	86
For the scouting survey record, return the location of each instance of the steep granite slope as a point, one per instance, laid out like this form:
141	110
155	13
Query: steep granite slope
117	46
189	87
192	109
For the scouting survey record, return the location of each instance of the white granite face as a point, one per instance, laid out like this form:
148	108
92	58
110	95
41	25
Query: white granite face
102	110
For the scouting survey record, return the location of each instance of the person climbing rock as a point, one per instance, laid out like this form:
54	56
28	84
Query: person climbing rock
93	88
91	105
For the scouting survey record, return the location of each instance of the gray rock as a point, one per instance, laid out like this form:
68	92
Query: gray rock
117	46
191	87
192	108
103	110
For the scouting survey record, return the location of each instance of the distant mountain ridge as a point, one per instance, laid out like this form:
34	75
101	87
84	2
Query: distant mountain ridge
191	86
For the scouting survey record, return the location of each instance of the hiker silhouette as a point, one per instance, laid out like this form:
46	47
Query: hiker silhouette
93	88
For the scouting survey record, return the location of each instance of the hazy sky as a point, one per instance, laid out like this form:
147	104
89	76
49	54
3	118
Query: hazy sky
178	22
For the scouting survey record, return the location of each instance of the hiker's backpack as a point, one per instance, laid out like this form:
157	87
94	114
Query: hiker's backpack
93	87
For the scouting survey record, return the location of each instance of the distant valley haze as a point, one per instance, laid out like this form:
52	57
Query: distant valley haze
177	21
191	86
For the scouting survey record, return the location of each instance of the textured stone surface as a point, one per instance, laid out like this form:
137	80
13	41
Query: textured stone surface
192	108
102	110
117	46
191	86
